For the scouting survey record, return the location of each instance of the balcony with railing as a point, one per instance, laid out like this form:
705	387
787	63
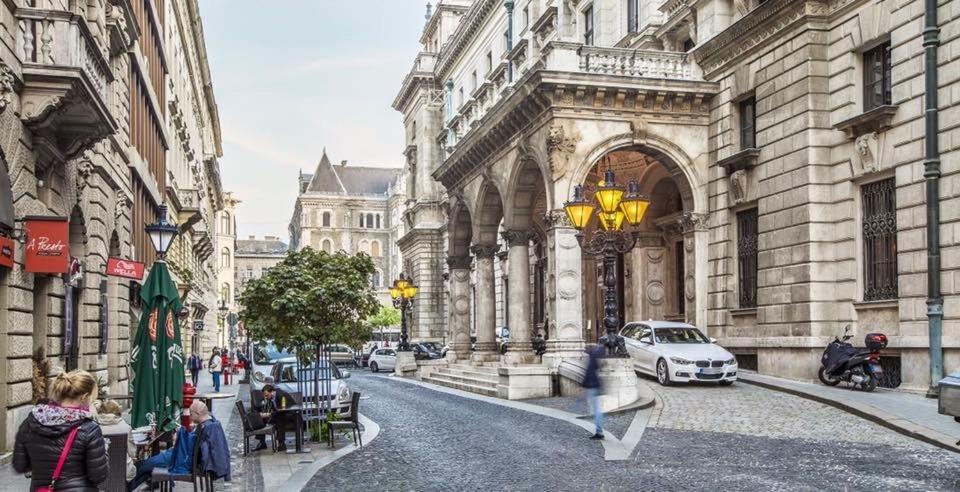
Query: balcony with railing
66	77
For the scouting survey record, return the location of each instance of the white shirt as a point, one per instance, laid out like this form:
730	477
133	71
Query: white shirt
216	364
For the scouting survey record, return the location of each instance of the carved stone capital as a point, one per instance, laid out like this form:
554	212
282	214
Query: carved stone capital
692	221
518	238
459	262
6	86
484	250
557	218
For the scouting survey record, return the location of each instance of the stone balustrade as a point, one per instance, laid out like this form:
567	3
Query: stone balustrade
636	63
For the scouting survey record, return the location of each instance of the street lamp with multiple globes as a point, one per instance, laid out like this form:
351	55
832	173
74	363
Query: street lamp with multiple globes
616	206
402	293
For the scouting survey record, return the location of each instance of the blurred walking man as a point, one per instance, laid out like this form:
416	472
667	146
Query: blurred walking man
593	389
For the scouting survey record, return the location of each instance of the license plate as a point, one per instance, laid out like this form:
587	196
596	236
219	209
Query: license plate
876	369
711	370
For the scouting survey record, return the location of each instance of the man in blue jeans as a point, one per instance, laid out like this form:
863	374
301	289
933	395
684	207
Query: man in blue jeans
593	388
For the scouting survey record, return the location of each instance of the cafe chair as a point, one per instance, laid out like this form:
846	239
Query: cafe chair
164	479
249	431
352	421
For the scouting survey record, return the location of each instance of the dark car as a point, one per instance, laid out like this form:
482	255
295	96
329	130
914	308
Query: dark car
423	351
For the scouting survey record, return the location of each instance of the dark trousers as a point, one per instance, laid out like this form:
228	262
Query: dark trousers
282	422
195	376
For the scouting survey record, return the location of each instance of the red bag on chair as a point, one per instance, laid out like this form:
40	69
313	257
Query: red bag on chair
61	461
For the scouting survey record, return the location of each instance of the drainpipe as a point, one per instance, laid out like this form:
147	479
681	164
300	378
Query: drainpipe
509	5
931	164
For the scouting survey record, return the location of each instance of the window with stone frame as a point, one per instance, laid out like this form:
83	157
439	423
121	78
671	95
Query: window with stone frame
633	15
327	246
225	258
326	219
879	229
748	123
588	26
876	77
747	226
489	62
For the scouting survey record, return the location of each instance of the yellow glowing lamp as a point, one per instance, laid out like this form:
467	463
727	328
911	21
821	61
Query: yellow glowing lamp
401	284
579	210
394	292
612	222
634	205
608	194
409	291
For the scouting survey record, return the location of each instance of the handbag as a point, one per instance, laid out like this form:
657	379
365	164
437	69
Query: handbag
61	461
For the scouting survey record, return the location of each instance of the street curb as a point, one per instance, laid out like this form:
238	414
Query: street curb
300	478
643	402
867	412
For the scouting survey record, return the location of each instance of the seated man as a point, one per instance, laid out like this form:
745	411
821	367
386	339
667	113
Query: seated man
280	420
214	450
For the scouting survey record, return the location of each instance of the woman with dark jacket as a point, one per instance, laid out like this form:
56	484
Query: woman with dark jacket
43	435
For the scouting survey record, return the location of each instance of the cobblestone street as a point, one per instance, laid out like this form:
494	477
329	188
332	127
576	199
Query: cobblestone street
741	437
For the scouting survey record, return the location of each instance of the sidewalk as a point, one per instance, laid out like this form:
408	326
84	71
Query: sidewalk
912	415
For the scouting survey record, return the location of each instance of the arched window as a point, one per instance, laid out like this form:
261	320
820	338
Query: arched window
328	245
378	221
376	280
375	249
225	258
225	224
369	221
326	219
225	293
361	219
363	247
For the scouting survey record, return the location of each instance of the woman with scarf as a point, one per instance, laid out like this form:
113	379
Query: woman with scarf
64	418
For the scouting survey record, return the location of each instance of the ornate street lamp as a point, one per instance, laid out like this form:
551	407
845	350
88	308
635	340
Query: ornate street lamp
402	293
162	233
223	310
613	206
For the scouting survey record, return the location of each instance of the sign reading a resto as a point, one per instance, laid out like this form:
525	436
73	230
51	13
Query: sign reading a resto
6	252
118	267
47	248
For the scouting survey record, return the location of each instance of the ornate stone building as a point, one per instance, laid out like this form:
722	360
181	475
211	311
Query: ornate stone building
350	208
86	124
781	143
226	273
253	257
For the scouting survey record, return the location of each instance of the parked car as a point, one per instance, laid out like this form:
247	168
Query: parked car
363	358
424	351
286	374
385	358
265	356
678	352
341	354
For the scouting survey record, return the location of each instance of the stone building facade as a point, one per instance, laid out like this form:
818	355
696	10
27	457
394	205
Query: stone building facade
84	135
227	273
349	208
253	257
780	141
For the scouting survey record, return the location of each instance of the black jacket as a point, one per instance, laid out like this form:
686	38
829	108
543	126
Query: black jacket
38	448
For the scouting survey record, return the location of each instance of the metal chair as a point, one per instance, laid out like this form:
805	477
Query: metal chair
352	422
165	479
249	431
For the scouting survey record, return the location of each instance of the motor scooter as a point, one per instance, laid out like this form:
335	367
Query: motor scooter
841	361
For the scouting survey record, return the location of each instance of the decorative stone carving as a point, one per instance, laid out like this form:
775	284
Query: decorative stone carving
560	147
690	287
693	221
557	218
518	238
85	169
459	262
638	128
568	284
655	292
6	86
123	205
866	155
461	305
738	186
484	250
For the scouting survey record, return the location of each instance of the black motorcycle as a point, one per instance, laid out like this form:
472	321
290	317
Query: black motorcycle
842	361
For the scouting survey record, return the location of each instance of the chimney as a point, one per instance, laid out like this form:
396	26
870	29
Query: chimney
343	163
251	238
270	238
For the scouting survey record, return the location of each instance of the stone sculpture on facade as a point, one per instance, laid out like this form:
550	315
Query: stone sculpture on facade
560	147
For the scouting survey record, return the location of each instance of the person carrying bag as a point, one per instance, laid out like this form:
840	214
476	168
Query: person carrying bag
60	462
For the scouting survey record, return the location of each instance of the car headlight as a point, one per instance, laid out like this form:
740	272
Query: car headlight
258	376
681	361
344	393
730	362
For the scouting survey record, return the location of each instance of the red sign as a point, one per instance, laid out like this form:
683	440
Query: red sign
6	252
47	248
119	267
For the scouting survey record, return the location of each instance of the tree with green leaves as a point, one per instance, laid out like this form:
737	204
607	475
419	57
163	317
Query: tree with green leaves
311	298
386	316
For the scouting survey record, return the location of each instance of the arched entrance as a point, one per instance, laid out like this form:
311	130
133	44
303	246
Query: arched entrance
488	215
458	262
652	278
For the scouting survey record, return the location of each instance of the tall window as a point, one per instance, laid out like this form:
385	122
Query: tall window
375	249
489	62
588	26
473	84
747	257
327	246
460	97
880	240
361	219
526	17
375	281
326	219
748	123
876	77
225	258
633	15
225	224
225	293
378	221
369	221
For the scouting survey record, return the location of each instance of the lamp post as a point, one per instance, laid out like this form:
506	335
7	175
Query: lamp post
402	293
613	206
162	233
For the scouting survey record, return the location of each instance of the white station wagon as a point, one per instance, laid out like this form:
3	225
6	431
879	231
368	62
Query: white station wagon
678	352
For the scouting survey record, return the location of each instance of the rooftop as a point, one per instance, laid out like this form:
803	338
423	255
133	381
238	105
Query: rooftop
267	245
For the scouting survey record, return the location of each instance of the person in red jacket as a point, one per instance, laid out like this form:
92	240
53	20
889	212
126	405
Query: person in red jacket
227	366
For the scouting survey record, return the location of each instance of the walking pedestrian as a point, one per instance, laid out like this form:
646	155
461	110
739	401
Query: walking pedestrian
215	366
195	364
227	366
60	442
593	388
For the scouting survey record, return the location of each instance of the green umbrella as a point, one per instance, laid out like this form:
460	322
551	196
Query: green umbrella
157	354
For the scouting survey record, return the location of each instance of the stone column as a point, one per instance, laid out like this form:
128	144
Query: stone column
565	290
521	348
693	225
486	304
459	308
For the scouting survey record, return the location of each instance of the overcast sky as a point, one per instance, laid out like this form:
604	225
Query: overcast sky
294	76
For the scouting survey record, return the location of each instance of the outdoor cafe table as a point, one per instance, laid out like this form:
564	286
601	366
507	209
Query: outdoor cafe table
207	398
298	411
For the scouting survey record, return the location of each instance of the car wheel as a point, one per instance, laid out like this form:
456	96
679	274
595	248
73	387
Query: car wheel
663	372
825	379
373	367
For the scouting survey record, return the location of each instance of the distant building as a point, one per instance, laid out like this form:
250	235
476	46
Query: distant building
253	257
351	209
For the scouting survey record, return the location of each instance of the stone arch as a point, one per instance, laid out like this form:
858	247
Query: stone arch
679	164
525	184
327	245
460	230
363	246
488	214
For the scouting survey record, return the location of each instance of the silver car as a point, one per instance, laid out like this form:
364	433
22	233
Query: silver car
265	356
291	378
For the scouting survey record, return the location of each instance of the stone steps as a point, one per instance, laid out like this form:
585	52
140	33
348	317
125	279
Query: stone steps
476	369
487	389
469	377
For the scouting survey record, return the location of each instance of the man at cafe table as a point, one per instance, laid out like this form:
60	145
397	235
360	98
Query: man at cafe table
269	413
